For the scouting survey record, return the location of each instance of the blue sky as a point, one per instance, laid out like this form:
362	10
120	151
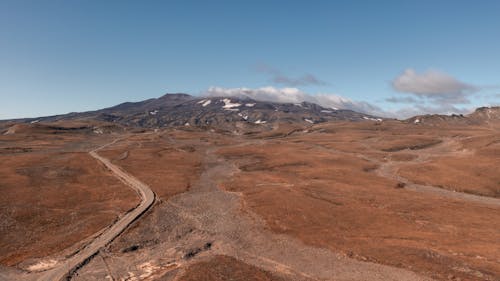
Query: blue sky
402	57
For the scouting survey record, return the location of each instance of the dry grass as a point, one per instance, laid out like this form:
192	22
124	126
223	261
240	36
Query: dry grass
166	166
474	169
52	197
320	188
224	268
318	184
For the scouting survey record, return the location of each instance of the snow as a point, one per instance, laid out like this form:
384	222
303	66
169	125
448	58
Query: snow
416	121
187	125
153	112
373	119
260	122
249	104
35	121
309	120
243	116
43	265
205	102
229	105
326	111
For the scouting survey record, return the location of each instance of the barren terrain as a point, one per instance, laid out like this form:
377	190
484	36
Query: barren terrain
54	195
332	201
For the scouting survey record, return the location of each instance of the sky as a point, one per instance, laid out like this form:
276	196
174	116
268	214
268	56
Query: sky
392	58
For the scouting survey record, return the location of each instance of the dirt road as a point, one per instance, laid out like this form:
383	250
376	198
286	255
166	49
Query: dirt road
66	267
208	214
449	147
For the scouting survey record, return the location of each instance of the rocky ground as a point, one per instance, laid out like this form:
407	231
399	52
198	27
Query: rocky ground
333	201
55	196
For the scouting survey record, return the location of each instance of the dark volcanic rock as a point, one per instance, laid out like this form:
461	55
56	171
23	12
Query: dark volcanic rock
226	113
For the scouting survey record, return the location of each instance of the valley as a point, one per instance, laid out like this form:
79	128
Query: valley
283	200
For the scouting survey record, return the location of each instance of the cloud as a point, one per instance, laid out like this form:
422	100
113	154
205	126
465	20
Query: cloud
294	95
417	109
434	86
279	78
401	100
492	100
431	92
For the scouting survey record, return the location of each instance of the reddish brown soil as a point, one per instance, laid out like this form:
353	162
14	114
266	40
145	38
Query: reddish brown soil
475	170
221	268
158	160
54	194
320	188
321	185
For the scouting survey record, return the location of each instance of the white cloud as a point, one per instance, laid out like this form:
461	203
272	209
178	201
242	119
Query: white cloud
279	78
401	100
294	95
407	112
434	85
431	92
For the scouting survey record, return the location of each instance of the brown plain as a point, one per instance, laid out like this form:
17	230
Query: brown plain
54	195
336	186
322	187
226	268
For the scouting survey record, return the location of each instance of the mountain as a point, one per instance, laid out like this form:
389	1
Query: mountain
224	113
481	116
437	119
233	113
486	114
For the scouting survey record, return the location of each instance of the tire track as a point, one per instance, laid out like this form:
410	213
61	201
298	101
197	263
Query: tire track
66	269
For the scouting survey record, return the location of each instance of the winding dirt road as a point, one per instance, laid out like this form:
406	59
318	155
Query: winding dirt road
147	198
448	147
208	213
390	169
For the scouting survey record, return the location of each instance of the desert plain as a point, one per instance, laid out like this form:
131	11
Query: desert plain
366	200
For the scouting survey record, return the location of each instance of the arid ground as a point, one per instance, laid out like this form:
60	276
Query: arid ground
332	201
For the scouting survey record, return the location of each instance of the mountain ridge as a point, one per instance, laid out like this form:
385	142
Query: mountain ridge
480	115
180	109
